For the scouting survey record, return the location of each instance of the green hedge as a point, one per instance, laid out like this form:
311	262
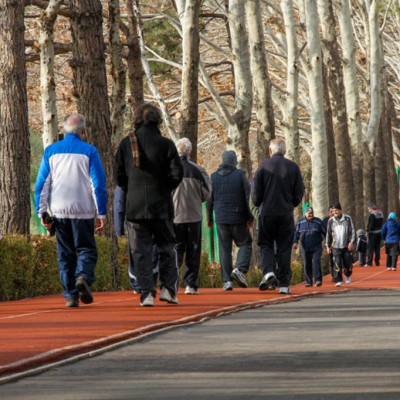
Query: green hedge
28	268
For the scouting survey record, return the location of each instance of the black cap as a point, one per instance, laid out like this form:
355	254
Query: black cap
337	206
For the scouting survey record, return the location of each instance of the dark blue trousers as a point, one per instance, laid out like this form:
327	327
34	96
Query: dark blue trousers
77	252
312	264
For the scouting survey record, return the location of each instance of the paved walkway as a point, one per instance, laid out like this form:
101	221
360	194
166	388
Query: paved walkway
37	332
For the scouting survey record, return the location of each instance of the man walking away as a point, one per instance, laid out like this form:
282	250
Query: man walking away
340	239
230	201
149	169
71	183
188	197
311	233
277	188
391	236
374	226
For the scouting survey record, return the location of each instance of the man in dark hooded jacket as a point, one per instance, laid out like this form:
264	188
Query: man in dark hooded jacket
374	226
149	169
230	202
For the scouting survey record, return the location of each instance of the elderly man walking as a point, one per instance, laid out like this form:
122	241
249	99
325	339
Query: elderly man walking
277	188
149	169
188	197
230	201
71	183
374	226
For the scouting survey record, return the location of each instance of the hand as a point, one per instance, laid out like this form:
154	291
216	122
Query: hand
250	224
100	224
47	226
210	224
350	247
329	250
295	246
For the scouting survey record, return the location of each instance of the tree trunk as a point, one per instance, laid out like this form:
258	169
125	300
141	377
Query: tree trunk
338	107
352	104
381	168
239	132
261	81
47	79
188	121
290	113
15	207
333	186
135	70
90	85
319	155
118	74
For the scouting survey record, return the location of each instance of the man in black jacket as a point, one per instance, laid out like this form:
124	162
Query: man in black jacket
149	169
374	226
277	188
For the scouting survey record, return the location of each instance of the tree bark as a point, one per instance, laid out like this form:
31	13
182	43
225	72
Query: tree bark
47	78
188	121
319	143
261	81
15	207
90	85
331	57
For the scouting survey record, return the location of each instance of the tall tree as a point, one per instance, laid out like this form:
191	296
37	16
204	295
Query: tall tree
319	155
14	134
189	11
90	85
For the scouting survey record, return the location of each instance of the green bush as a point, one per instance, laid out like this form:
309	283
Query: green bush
28	268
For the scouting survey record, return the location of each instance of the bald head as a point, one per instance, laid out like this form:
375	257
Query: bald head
74	123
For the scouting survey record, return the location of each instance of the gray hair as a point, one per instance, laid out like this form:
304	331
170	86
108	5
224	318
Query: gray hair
277	146
184	146
74	123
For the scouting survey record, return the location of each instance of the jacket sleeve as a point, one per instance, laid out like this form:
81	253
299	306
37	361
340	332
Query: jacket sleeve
206	185
329	237
175	174
120	172
257	192
352	231
254	210
371	220
296	237
210	205
42	186
98	177
298	192
384	231
246	190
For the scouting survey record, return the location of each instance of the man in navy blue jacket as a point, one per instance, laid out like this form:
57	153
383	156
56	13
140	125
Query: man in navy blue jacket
230	201
311	233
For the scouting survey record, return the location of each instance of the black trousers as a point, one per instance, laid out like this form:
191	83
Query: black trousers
188	244
278	229
343	261
141	236
374	247
392	252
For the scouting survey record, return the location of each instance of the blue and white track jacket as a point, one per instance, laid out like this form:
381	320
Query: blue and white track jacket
71	181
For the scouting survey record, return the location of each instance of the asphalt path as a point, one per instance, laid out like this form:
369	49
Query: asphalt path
343	346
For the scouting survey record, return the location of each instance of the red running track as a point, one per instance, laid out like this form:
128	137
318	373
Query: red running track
40	331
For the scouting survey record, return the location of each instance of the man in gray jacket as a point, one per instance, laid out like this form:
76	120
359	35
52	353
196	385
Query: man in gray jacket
194	189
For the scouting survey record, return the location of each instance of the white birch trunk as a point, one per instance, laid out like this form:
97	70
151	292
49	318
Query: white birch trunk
375	78
319	156
261	81
118	73
290	113
238	133
47	81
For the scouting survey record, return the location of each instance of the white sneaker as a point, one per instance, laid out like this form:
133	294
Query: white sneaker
148	301
166	296
284	290
228	285
388	269
239	277
191	290
339	284
348	280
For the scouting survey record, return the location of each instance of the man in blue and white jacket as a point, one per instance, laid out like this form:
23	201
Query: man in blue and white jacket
71	183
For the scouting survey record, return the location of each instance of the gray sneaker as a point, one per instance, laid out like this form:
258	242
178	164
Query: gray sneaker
72	303
148	301
284	290
228	285
166	296
268	282
239	277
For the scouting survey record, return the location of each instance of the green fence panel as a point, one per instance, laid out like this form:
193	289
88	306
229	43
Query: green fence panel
209	239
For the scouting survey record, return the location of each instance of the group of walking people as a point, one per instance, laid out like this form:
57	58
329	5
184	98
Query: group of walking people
160	194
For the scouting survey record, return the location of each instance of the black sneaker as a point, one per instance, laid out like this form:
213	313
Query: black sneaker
239	277
84	292
308	285
268	282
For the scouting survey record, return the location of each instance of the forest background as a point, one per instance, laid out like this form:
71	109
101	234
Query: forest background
229	74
